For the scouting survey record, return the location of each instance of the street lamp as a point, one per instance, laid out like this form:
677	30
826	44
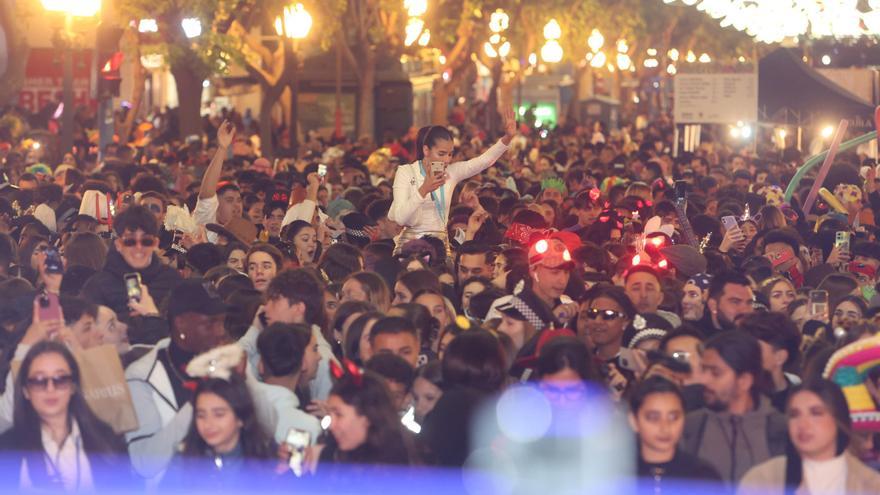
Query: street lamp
552	51
70	9
294	23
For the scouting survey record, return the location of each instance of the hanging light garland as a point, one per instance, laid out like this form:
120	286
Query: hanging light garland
771	21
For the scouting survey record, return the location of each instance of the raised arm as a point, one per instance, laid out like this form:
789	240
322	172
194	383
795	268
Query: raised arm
464	170
212	175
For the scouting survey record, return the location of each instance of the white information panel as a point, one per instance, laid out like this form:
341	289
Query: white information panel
716	98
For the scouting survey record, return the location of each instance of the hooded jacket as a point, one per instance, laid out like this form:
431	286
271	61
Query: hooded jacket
733	444
107	288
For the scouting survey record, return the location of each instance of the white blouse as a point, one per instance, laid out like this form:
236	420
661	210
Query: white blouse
68	462
825	477
409	209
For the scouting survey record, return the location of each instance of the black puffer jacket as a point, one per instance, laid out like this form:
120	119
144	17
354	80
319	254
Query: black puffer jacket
107	288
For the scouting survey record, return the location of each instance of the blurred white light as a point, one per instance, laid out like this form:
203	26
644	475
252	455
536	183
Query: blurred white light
622	46
76	8
705	58
551	52
673	55
524	414
596	40
826	60
325	422
772	21
425	38
623	61
192	27
504	49
499	21
413	30
652	52
442	59
598	60
552	30
691	57
148	26
746	132
827	131
651	63
533	59
671	70
206	83
489	50
415	8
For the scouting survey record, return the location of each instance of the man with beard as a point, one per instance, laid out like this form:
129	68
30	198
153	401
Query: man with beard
730	296
738	428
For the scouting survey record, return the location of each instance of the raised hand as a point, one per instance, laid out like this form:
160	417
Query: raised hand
225	134
509	124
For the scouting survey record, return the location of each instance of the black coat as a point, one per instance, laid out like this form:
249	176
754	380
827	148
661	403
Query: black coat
107	288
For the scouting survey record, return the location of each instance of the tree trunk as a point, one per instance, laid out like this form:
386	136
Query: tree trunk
270	96
492	117
189	100
131	48
440	103
367	95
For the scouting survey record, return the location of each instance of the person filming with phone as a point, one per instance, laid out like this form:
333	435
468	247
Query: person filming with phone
423	189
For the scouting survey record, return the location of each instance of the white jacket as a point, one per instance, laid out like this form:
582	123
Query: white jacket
410	209
163	423
287	413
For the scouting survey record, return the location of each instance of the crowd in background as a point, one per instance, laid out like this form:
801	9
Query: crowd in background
181	307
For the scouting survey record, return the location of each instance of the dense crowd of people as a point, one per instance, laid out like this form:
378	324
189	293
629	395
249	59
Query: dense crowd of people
195	316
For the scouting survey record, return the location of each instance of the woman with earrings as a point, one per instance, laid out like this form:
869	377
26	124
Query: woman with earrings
57	443
423	189
364	426
817	461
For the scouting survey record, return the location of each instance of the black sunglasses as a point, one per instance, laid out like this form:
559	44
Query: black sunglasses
145	241
607	314
62	382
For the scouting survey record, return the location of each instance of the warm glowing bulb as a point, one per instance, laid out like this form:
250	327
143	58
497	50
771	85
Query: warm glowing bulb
552	30
827	131
551	52
596	40
415	8
673	55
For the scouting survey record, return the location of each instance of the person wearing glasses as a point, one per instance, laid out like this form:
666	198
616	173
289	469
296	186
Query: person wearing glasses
134	251
605	312
57	443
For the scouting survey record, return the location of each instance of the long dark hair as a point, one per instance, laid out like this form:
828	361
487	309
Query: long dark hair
253	440
428	136
567	352
475	359
832	396
98	438
351	340
385	443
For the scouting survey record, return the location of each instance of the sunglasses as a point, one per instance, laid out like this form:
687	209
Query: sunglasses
145	241
62	382
607	314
